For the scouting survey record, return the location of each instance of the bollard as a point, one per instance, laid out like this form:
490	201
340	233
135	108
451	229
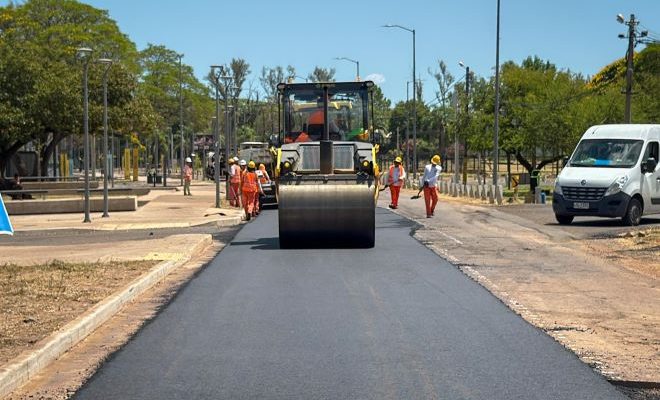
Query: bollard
499	194
537	195
491	194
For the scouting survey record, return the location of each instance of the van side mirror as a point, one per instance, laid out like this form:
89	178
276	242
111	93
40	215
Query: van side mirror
564	161
649	165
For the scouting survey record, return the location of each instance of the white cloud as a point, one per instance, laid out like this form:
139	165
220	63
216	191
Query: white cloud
376	78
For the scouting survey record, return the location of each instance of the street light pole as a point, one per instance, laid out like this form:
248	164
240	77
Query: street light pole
108	63
85	53
467	111
357	63
414	72
216	136
496	139
227	80
181	114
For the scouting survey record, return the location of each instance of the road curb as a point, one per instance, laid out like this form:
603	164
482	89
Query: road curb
19	371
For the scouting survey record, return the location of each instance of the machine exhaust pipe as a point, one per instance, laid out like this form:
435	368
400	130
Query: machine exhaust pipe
325	146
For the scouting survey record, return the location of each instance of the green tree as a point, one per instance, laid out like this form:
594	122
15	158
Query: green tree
46	34
321	74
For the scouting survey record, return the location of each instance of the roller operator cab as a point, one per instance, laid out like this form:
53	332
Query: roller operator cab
326	169
613	172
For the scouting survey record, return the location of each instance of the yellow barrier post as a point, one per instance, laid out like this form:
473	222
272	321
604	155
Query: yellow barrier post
127	164
135	164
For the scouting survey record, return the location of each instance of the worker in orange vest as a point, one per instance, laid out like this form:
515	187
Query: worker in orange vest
429	182
262	176
234	183
250	186
395	180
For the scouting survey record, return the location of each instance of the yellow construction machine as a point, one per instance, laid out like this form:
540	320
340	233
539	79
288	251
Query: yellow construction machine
326	171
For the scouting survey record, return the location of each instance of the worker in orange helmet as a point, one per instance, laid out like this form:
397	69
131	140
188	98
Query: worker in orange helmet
429	181
250	186
395	180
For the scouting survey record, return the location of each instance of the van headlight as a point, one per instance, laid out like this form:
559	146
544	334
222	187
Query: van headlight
558	188
617	185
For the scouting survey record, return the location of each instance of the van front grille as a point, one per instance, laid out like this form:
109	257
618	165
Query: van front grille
578	193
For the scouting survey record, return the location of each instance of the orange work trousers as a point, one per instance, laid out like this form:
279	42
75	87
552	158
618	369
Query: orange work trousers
394	192
431	199
233	194
256	202
248	202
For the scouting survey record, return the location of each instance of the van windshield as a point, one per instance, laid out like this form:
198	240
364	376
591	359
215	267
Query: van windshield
607	153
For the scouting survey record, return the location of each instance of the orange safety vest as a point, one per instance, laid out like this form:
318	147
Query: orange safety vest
303	137
249	182
262	175
390	176
235	174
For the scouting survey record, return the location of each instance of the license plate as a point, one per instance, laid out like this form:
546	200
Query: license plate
581	206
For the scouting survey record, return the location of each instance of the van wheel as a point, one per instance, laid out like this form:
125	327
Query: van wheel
634	214
564	219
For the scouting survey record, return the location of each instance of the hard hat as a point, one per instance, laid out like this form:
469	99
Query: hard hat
262	167
251	164
235	159
242	163
231	161
188	159
435	159
398	159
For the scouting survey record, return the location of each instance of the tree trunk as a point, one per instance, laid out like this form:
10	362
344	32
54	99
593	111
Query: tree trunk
529	166
47	151
6	155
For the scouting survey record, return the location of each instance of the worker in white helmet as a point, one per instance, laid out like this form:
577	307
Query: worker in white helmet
187	176
234	183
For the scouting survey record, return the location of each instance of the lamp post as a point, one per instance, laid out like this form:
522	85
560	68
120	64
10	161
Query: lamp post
181	114
108	63
215	75
496	139
414	96
227	80
467	111
84	53
357	63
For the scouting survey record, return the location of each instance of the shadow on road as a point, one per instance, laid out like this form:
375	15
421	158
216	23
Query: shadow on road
268	243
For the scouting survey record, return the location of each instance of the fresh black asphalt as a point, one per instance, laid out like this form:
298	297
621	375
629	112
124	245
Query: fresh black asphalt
392	322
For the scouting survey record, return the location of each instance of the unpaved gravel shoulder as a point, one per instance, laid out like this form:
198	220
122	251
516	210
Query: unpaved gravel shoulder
606	314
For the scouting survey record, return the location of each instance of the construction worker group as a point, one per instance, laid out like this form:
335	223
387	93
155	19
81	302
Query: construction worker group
428	183
245	185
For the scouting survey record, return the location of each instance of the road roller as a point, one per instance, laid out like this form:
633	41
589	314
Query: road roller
326	171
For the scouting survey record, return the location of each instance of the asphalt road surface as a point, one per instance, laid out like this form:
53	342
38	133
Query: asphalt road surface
393	322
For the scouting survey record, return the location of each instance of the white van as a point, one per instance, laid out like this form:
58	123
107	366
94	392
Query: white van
613	172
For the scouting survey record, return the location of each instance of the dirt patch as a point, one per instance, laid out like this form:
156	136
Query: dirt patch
637	251
36	300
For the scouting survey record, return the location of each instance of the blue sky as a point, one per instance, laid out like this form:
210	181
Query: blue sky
576	34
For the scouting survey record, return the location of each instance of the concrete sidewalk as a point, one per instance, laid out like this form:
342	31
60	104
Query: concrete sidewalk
608	315
164	209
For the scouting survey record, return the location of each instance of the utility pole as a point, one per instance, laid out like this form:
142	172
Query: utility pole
496	138
632	36
182	158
